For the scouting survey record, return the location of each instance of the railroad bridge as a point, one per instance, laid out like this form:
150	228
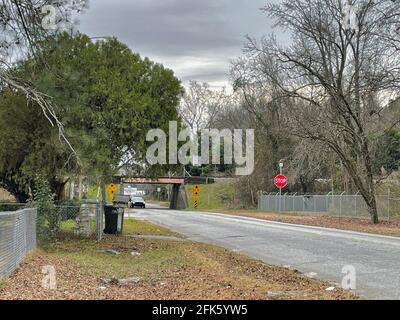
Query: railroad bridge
178	197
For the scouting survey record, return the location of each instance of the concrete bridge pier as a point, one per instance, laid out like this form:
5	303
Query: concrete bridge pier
179	199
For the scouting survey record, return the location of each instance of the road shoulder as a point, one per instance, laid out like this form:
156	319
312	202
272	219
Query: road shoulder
386	228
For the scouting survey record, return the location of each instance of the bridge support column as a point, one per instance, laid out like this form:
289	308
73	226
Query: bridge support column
174	197
178	198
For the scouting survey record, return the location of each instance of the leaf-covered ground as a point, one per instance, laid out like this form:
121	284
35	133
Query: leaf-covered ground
168	270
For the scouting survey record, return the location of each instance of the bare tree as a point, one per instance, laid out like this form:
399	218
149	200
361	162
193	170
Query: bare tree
309	161
335	75
200	105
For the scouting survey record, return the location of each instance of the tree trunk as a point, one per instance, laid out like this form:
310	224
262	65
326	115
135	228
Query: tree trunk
21	197
304	185
13	188
372	207
58	189
372	210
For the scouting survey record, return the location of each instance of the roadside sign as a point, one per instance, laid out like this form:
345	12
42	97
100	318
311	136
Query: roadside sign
280	181
112	190
196	195
196	189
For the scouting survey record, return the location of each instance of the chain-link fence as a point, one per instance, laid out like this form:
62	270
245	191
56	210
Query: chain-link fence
18	228
84	219
17	238
343	205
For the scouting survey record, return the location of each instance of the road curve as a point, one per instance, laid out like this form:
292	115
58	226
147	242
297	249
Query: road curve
320	251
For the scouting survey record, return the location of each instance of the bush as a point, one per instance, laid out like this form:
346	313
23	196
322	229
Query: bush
48	220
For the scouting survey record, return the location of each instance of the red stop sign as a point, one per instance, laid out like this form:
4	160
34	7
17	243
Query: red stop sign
280	181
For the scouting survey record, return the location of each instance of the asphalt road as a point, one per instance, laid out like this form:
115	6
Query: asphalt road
320	252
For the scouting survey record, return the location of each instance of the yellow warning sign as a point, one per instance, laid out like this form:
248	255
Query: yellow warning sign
196	195
196	189
112	190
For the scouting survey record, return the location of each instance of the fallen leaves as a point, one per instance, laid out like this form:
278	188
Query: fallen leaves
196	271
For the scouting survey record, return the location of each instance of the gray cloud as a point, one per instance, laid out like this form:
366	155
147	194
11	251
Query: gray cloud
197	39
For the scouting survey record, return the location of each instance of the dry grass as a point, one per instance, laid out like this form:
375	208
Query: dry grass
6	196
2	283
169	270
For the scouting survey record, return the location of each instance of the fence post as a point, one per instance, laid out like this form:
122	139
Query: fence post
293	198
15	240
277	202
99	220
315	204
284	203
355	205
388	209
327	202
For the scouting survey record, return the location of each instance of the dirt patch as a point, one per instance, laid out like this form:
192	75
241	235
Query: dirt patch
389	228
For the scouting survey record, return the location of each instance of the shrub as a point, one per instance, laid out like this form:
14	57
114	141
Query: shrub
48	219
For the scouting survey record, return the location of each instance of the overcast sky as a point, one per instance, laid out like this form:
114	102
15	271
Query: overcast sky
195	38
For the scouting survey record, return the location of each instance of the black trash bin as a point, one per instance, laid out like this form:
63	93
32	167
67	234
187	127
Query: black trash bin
114	218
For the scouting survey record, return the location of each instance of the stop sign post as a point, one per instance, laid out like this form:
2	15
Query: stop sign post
280	182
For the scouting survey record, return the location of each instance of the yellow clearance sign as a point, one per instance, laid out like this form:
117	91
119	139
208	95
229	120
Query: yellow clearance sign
196	189
112	190
196	194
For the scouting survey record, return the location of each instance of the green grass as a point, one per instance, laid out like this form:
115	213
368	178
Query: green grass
139	227
131	226
125	265
213	196
68	226
2	283
88	254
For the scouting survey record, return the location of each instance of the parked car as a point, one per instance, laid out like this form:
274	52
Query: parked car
137	202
